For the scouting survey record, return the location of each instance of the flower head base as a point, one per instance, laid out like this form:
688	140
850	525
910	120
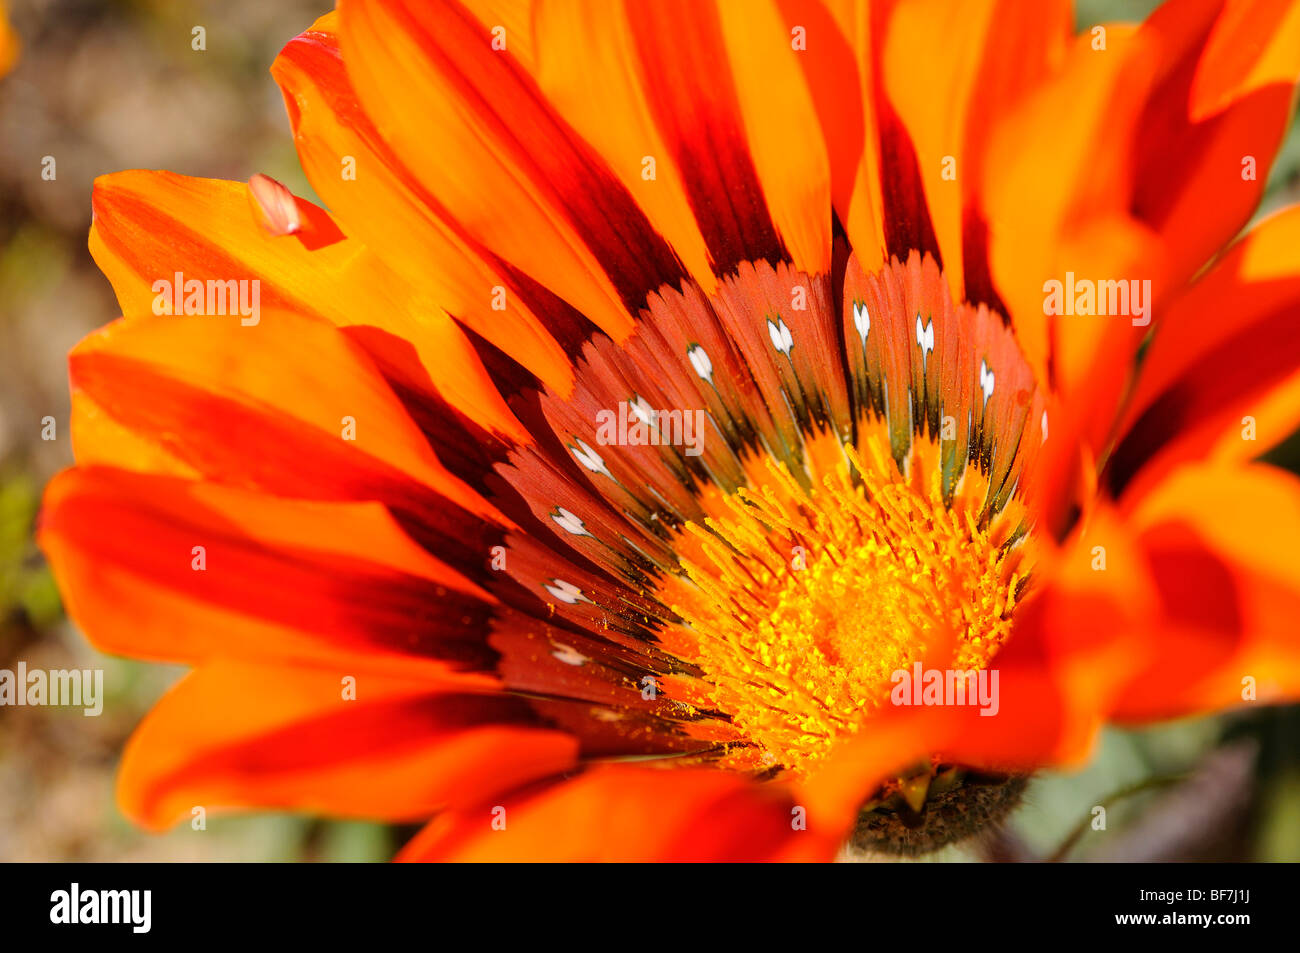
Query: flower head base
934	807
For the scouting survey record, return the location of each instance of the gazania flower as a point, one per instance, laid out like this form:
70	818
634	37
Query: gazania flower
669	392
9	45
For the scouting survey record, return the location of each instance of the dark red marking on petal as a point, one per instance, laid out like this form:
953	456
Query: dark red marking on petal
273	452
975	257
1235	372
347	603
559	163
907	215
693	100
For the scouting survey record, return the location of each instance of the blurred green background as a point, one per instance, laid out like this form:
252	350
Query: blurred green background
104	86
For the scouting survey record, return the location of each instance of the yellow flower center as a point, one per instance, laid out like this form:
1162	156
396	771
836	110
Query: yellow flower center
808	598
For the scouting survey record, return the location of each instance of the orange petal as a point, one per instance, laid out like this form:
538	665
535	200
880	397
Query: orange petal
1181	102
951	70
1225	350
149	226
234	735
592	82
625	814
1056	208
379	200
831	70
1054	204
9	45
782	126
518	19
97	438
506	169
170	569
698	110
1220	540
289	405
1227	72
857	193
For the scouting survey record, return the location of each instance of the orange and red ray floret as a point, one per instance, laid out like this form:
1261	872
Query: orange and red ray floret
565	213
1226	350
183	570
401	749
626	813
145	229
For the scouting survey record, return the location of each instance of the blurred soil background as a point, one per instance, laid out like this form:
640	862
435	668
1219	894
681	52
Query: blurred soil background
105	85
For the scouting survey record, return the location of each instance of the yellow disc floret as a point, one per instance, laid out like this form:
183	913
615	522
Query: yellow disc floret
807	599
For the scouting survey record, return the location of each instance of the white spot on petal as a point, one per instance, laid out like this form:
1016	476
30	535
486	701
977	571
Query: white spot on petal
642	410
568	522
861	320
566	592
1044	426
780	334
589	458
699	359
986	381
568	654
925	337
